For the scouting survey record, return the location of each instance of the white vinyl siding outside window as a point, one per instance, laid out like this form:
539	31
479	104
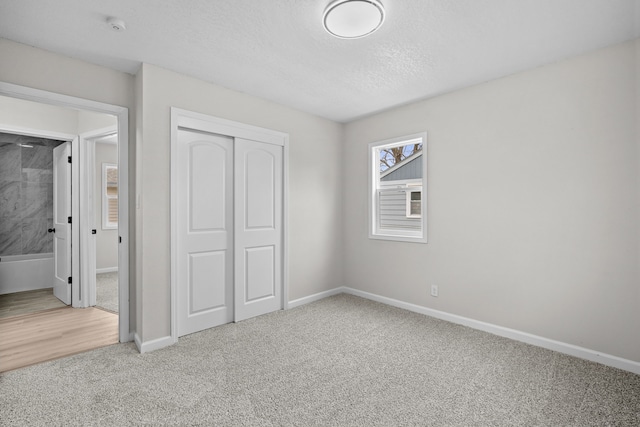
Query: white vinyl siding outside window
109	196
397	202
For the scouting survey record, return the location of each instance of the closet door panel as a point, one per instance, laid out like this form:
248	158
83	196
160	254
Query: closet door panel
258	228
205	231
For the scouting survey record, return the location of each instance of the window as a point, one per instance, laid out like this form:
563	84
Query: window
397	188
414	204
109	196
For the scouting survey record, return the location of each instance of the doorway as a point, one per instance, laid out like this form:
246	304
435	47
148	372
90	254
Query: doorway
229	224
101	174
81	295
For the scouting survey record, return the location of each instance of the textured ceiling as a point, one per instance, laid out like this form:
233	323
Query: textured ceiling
278	50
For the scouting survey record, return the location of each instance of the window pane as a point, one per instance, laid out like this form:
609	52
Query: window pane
112	175
416	205
112	211
390	157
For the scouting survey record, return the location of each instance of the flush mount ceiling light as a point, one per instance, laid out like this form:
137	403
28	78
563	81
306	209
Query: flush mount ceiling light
352	19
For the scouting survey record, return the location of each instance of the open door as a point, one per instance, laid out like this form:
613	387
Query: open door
61	223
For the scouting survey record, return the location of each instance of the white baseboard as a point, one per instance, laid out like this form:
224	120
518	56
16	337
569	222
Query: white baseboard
106	270
315	297
147	346
561	347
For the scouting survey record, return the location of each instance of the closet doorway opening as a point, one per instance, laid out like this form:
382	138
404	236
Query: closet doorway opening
229	202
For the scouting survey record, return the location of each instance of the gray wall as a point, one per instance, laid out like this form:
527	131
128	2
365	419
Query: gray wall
315	186
533	203
26	195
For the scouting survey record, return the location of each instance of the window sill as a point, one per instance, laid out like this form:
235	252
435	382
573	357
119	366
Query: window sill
398	238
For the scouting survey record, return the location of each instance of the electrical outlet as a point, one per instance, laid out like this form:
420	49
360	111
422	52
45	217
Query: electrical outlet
434	290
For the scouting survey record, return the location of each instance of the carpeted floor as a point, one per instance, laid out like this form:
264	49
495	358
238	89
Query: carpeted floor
340	361
107	291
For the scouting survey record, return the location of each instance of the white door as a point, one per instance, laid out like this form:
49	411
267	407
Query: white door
61	225
258	228
205	231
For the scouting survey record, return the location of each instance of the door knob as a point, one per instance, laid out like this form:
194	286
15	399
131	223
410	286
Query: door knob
51	230
93	231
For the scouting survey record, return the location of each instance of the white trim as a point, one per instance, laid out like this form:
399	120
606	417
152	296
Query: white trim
122	115
201	122
87	210
106	270
315	297
538	341
561	347
147	346
37	133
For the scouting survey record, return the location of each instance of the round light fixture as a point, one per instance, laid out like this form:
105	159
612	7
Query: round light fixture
352	19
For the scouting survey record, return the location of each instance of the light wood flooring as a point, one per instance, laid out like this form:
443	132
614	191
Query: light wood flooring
28	302
32	331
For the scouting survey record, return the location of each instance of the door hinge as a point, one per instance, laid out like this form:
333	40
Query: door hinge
69	280
69	219
119	239
69	159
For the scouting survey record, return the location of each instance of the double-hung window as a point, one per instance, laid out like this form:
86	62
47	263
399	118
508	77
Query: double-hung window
397	189
109	196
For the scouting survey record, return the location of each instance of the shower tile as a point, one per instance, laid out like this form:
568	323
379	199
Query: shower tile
10	237
34	236
37	200
9	162
48	247
10	199
38	157
37	175
49	204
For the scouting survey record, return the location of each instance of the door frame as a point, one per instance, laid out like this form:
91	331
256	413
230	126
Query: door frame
87	214
122	115
185	119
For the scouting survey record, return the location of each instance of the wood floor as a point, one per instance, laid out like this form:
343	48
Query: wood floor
39	333
28	302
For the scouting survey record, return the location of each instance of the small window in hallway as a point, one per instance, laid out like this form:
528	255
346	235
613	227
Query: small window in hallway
109	196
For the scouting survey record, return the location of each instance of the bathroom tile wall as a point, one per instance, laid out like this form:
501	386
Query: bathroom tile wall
26	194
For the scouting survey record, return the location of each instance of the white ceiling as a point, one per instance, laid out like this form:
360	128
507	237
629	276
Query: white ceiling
278	50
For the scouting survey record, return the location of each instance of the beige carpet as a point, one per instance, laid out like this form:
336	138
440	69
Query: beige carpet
107	291
342	361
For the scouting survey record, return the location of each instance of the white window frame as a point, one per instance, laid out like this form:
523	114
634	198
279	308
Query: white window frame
106	224
375	232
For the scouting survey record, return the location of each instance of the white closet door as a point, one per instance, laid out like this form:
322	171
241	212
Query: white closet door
61	226
258	228
205	231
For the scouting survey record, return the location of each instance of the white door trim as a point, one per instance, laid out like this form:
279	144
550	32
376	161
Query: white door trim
201	122
122	114
87	240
